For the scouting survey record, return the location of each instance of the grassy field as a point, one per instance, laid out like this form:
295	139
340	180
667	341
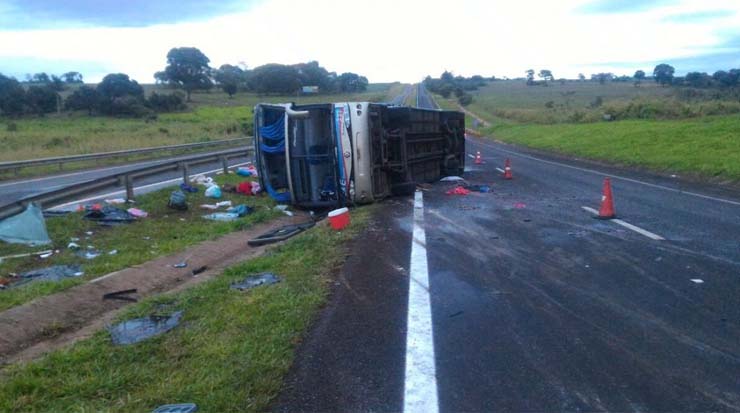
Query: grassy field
651	126
230	352
211	116
164	232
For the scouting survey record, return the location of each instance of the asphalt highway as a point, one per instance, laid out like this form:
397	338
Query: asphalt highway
535	305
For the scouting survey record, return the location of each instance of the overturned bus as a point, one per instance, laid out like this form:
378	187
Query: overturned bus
338	154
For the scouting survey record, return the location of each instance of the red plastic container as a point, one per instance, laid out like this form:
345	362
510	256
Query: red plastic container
339	218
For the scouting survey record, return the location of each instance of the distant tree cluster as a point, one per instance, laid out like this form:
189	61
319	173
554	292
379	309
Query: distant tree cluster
544	74
447	84
38	98
187	68
664	75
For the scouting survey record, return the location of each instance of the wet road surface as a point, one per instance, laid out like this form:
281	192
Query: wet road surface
535	305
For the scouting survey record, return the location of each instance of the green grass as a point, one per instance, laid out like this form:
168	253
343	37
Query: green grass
229	354
168	231
708	147
211	116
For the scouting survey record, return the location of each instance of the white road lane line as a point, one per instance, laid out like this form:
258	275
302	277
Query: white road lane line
138	188
628	225
500	170
420	387
591	171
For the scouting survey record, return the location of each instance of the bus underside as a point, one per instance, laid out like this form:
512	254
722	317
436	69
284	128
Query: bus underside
328	155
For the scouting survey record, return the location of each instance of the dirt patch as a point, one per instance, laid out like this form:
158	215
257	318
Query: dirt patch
54	321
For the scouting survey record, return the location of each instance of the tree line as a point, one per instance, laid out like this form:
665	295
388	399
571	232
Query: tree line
187	69
447	84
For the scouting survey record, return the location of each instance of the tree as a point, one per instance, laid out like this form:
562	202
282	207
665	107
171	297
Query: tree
447	77
581	77
726	79
312	74
663	74
274	78
12	96
602	78
120	95
56	83
639	75
229	77
42	99
187	67
530	76
545	75
84	98
72	77
698	79
40	78
352	82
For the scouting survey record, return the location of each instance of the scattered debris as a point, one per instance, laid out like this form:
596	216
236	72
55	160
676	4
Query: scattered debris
697	281
222	216
451	179
457	314
479	188
243	172
138	213
280	234
213	191
27	228
140	329
112	252
339	219
241	210
89	233
177	408
202	180
109	216
284	210
187	188
520	205
468	207
115	201
73	245
255	281
121	295
42	254
178	201
46	255
458	190
54	273
199	270
89	253
182	264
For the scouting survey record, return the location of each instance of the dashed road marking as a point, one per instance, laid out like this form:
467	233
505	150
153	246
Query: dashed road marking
420	387
628	225
591	171
138	188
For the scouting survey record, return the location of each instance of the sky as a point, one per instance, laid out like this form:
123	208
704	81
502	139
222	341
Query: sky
385	40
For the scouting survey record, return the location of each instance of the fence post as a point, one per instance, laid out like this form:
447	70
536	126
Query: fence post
129	187
185	173
225	163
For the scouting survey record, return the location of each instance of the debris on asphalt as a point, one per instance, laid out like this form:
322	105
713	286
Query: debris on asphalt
53	273
451	179
176	408
252	281
697	281
140	329
108	215
520	205
468	207
121	295
458	190
138	213
478	188
280	234
28	227
456	314
178	201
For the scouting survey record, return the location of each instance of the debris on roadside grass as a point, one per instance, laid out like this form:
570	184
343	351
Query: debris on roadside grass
280	234
89	253
213	191
284	210
140	329
199	270
28	227
178	201
177	408
53	273
252	281
40	254
182	264
115	201
122	295
187	188
458	190
108	215
241	210
138	213
222	216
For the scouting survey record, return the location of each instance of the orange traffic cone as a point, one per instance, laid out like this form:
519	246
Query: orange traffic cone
607	202
478	159
507	169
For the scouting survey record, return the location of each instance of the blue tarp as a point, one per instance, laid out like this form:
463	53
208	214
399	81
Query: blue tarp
28	228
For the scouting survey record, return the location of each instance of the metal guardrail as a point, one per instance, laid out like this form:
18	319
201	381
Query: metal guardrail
125	179
61	160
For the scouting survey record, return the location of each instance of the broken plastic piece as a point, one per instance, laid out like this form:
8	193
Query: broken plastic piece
176	408
138	213
280	234
54	273
451	179
479	188
109	216
255	281
458	190
115	201
28	227
223	204
222	216
89	254
140	329
199	270
121	295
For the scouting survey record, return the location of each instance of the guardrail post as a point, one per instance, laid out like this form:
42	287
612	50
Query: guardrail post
185	173
225	163
129	187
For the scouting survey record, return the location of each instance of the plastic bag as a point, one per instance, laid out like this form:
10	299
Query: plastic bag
213	192
178	201
28	227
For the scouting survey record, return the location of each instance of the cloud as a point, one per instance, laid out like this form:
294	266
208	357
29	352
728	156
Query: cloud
38	14
622	6
699	17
